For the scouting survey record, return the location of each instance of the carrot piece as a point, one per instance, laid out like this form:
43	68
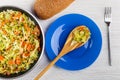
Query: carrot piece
6	21
87	31
36	31
0	27
29	46
33	47
16	32
27	27
23	44
3	23
18	61
9	48
17	16
17	57
4	32
81	28
1	57
13	39
25	54
11	62
39	49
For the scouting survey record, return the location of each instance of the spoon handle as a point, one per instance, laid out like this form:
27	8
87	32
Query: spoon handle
47	67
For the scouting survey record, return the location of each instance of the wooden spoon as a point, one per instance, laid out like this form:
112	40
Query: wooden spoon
69	45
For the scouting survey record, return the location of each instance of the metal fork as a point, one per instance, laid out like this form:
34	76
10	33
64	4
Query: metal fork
108	19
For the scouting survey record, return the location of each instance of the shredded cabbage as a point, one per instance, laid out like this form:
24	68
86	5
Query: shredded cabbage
19	42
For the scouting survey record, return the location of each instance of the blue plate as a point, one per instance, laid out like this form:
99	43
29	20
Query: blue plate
57	34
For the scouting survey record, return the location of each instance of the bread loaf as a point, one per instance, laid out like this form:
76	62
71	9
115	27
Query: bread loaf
48	8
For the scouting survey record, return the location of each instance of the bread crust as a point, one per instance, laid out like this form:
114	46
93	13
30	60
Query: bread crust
48	8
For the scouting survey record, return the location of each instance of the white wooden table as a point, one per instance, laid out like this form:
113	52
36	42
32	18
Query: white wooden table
100	70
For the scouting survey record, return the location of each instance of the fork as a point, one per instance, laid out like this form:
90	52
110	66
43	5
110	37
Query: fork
108	19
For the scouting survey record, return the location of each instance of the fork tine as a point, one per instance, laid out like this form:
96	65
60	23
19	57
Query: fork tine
107	13
110	9
105	10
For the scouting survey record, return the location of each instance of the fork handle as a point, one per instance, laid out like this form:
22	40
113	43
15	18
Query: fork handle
109	50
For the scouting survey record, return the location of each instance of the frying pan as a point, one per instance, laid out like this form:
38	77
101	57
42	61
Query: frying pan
41	37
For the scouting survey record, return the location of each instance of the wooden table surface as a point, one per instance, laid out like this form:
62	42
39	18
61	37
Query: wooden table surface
99	70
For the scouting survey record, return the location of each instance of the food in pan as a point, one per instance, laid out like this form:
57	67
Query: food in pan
19	42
